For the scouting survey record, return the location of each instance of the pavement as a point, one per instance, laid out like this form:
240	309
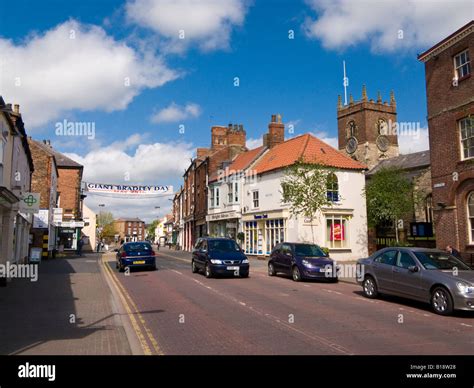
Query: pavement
68	311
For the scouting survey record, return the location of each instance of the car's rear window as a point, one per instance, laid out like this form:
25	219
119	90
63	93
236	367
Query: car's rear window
308	250
440	260
137	247
223	245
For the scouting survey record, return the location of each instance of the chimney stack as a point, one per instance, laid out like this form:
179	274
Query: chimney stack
16	108
276	132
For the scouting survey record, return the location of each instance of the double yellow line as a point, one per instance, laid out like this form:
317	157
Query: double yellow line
144	334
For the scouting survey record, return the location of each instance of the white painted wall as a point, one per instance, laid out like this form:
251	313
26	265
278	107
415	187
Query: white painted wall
351	185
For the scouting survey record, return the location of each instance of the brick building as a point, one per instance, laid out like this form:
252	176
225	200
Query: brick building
130	229
44	181
226	143
450	100
70	198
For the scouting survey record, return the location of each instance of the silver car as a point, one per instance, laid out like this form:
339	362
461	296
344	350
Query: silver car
427	275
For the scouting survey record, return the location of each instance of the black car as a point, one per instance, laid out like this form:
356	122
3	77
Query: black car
301	261
135	254
219	256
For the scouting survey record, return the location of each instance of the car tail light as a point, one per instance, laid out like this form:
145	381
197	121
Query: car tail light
152	253
124	254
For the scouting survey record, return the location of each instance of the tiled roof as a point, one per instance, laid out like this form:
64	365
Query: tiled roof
309	149
404	162
61	159
241	162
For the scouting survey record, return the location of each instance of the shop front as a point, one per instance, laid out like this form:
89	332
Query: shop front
225	224
69	233
263	231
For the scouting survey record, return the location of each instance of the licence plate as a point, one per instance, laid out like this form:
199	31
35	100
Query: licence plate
233	268
139	262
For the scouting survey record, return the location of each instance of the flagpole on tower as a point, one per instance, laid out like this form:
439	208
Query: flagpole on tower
345	82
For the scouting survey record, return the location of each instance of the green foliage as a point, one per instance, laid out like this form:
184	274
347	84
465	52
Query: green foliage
240	236
151	229
394	243
105	223
390	196
304	188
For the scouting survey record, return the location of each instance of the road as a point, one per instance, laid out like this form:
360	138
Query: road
176	312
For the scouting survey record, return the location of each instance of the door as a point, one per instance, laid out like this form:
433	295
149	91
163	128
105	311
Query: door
286	258
202	252
197	253
276	257
383	265
406	282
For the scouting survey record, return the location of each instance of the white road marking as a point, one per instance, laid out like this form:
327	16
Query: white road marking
465	324
180	273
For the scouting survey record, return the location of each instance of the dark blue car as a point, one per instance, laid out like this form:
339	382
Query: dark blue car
301	261
219	256
135	254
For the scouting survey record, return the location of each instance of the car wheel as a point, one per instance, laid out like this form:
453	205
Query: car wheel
194	268
120	268
245	275
441	301
271	270
296	274
116	265
370	287
208	271
153	267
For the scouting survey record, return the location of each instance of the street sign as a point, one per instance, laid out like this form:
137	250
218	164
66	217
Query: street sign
29	202
57	215
41	220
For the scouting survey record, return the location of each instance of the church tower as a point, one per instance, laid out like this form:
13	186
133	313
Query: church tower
366	129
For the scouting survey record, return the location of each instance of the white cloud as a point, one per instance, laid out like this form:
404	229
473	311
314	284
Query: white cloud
58	74
174	112
254	143
152	163
205	22
414	142
343	23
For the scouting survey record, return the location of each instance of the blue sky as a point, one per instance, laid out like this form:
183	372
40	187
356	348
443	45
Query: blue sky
299	78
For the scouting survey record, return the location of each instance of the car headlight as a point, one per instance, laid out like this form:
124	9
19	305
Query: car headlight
245	261
465	288
215	261
306	263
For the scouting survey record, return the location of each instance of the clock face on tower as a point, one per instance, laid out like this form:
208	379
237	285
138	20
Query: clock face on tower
351	145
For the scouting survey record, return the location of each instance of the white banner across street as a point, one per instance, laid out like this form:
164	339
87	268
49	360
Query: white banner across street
138	190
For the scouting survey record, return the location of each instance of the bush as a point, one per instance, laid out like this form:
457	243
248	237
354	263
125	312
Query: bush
325	250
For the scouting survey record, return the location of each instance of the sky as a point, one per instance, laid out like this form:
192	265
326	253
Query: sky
150	77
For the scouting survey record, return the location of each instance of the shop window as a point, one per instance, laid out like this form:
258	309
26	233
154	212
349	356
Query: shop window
337	231
274	233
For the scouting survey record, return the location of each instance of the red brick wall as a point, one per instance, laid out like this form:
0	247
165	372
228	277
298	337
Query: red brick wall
41	178
69	184
453	176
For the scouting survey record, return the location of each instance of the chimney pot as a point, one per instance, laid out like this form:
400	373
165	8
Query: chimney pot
16	108
274	119
236	127
8	106
241	127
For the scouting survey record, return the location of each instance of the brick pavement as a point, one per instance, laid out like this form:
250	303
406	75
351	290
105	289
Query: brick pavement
37	318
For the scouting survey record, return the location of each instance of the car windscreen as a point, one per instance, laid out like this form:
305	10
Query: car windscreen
440	260
137	247
308	250
223	246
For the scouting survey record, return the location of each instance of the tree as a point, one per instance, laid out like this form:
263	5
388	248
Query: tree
105	224
304	188
390	196
151	230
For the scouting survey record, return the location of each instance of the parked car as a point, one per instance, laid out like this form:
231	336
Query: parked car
135	254
301	261
427	275
219	256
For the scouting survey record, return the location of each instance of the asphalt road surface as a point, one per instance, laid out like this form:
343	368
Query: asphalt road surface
177	312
